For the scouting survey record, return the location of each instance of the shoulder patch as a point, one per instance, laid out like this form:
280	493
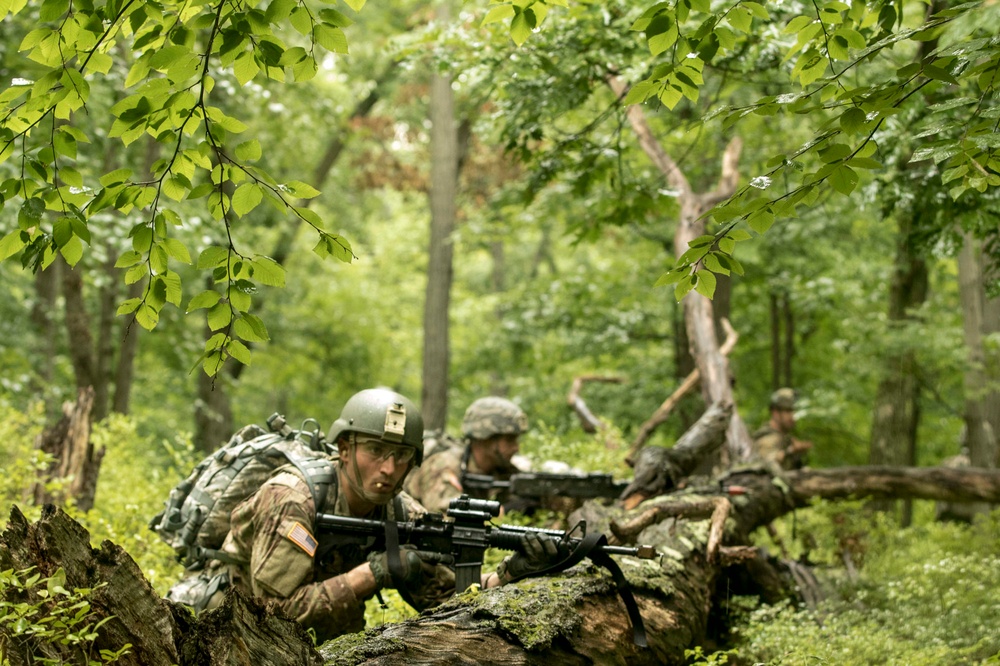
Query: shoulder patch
301	537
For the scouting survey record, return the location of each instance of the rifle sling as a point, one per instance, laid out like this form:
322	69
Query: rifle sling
392	551
590	546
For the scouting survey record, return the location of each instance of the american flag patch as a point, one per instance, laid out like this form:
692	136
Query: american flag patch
301	537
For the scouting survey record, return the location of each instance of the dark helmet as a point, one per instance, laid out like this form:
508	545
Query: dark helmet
783	399
385	414
488	417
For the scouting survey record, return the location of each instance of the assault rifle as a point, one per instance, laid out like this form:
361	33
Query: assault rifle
459	538
529	484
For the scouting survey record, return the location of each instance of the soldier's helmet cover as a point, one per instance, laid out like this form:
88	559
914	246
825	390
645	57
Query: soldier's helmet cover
783	399
488	417
382	413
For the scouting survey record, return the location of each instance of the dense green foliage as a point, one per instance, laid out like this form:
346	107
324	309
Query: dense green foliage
172	146
925	595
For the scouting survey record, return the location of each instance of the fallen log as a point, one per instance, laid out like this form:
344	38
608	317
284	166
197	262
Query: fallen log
576	617
659	470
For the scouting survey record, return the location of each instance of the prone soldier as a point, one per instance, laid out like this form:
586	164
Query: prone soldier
774	441
275	551
491	429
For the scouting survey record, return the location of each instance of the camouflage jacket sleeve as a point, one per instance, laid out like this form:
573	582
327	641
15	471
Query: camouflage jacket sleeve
770	445
276	528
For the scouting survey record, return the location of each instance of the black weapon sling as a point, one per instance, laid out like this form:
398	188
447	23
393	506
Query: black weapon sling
589	546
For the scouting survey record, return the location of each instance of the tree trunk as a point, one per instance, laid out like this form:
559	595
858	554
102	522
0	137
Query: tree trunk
979	435
213	413
104	356
498	283
699	316
75	465
663	411
81	342
991	327
129	333
443	191
897	399
42	311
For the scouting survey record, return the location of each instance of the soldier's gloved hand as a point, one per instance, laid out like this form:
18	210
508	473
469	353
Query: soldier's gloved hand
537	552
411	564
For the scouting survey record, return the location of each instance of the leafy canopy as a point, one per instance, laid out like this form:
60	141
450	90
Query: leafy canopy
175	51
842	68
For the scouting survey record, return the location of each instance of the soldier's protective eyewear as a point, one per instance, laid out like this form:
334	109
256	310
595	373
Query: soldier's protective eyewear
381	451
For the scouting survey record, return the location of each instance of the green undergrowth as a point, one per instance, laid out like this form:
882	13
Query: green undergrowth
136	476
922	596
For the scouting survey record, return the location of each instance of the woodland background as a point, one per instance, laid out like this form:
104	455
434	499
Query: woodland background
507	233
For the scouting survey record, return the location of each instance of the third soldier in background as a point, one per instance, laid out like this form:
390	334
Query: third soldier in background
490	432
774	441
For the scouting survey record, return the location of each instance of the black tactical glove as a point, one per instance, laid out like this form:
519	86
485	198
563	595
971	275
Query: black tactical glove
411	564
537	553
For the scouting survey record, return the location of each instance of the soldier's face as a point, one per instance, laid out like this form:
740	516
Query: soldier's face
786	420
507	448
381	467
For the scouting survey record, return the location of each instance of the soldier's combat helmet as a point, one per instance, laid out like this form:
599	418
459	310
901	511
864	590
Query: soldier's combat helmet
783	399
488	417
385	414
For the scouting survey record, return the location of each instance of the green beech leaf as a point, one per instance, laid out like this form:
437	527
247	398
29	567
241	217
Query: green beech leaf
706	283
246	197
268	272
498	13
248	151
219	316
212	256
250	328
205	299
238	351
330	37
11	244
844	179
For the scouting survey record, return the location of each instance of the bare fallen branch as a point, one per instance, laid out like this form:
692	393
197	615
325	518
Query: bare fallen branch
664	410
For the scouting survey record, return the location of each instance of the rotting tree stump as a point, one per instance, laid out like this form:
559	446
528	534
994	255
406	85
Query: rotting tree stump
160	632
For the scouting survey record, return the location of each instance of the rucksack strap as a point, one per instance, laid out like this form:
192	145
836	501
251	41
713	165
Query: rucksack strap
318	474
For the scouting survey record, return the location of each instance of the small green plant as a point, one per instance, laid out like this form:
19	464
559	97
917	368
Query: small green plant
699	658
47	624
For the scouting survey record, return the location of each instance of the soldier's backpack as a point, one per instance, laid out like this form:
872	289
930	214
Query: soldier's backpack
195	520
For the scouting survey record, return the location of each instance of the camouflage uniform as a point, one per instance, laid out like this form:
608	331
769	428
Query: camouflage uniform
278	558
439	479
768	443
